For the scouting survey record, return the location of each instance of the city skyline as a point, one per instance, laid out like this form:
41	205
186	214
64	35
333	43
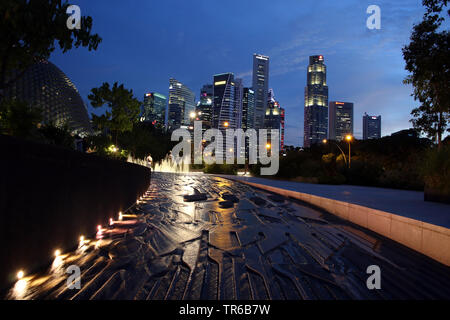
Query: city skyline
362	64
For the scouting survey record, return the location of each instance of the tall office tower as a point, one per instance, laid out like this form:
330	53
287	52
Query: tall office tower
154	108
260	85
273	117
316	102
340	120
283	117
205	106
224	116
181	104
248	109
43	85
371	127
238	101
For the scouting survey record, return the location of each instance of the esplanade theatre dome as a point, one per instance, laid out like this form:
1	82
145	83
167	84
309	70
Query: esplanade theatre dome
45	86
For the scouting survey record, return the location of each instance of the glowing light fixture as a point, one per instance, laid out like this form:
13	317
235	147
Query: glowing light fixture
57	253
20	274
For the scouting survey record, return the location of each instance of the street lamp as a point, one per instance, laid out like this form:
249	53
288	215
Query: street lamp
349	139
226	124
340	149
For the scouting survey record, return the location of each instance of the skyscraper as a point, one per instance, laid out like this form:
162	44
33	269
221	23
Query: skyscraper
248	109
238	101
274	118
224	114
181	104
316	102
154	108
340	120
260	85
283	117
371	127
205	106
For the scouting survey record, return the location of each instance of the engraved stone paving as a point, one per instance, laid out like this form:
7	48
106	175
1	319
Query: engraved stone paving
196	236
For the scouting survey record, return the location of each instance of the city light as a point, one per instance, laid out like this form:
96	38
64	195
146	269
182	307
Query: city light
268	146
20	274
192	114
348	137
57	253
324	141
226	124
120	216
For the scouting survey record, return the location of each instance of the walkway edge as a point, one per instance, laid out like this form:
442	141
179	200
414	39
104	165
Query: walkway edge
428	239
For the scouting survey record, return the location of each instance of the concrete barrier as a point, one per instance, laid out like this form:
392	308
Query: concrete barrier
49	196
428	239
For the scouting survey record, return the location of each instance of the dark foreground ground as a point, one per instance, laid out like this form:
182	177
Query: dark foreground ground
252	246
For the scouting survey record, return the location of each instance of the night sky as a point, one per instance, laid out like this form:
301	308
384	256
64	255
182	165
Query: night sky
147	42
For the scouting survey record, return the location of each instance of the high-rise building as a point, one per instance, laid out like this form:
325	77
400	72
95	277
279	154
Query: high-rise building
340	120
316	102
283	119
154	108
238	101
224	114
248	109
274	118
260	86
181	104
43	85
205	106
371	127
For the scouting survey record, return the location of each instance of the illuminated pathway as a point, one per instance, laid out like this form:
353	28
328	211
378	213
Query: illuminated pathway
252	246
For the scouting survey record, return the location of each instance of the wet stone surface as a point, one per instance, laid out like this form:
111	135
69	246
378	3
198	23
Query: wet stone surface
239	243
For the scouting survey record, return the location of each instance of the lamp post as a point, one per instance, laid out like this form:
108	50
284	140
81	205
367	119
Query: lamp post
349	139
340	149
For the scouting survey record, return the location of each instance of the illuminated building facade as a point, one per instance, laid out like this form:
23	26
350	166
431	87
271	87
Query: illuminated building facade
248	109
154	108
274	118
181	104
371	127
260	86
316	102
224	114
340	120
205	106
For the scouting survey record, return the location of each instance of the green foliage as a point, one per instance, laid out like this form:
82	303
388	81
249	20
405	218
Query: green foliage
436	169
19	119
427	59
59	136
146	140
392	162
123	108
29	30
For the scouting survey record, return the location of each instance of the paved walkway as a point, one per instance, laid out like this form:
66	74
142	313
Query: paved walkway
239	243
404	203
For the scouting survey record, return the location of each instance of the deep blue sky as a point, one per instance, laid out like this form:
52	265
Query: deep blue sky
147	42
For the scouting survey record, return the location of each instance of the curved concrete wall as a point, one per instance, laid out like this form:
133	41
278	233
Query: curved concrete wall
426	238
50	196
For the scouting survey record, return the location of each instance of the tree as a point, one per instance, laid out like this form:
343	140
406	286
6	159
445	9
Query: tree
19	119
123	110
427	59
29	30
